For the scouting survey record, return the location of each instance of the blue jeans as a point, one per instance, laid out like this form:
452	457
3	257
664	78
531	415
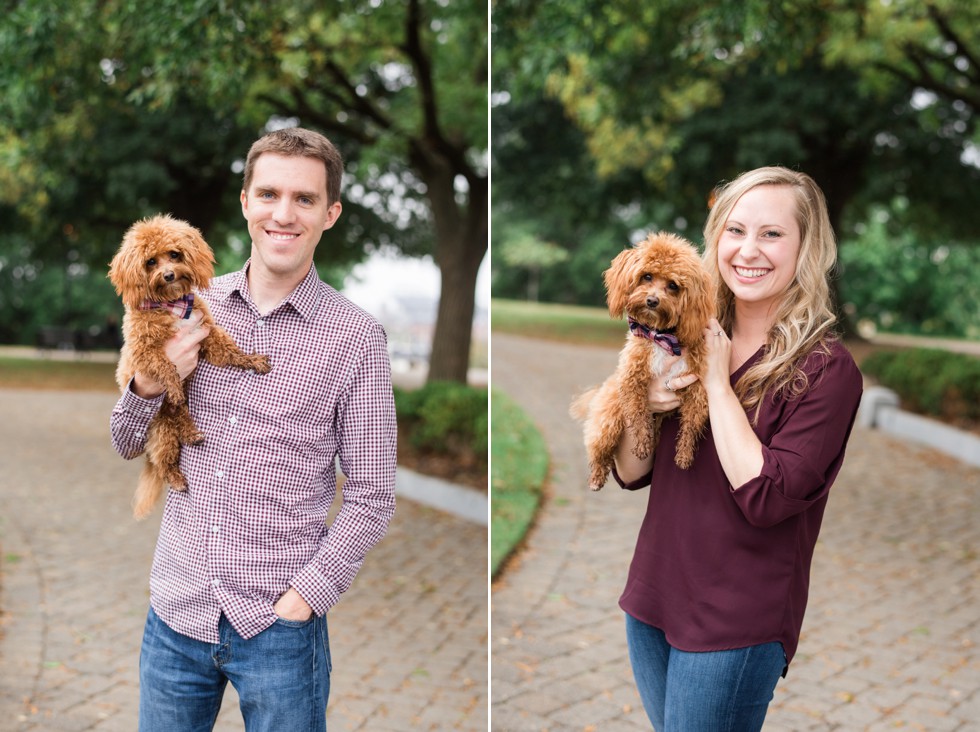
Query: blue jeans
282	676
716	691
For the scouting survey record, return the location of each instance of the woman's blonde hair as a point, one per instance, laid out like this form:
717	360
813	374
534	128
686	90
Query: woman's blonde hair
804	318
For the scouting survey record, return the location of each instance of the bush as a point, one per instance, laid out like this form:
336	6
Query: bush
445	417
930	381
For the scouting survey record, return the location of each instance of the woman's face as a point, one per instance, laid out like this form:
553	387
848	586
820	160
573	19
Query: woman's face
759	246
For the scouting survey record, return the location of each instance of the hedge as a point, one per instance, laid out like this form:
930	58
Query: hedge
446	417
930	381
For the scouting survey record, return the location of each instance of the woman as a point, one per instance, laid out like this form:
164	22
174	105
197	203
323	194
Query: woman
718	583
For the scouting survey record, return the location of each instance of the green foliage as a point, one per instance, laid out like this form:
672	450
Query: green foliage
930	381
445	417
518	469
873	100
896	281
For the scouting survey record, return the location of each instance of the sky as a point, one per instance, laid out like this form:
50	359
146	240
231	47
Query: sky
384	275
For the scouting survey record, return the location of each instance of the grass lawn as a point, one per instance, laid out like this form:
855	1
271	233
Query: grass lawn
518	468
29	373
567	323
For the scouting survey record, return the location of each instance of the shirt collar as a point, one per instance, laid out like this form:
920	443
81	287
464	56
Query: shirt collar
304	299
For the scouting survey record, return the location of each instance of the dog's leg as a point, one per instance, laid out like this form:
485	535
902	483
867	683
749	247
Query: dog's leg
221	350
694	417
163	450
188	431
634	388
163	371
640	421
603	431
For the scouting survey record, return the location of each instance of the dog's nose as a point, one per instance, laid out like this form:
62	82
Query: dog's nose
169	277
652	302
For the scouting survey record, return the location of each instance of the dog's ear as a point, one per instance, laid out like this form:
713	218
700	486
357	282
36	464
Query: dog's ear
127	271
699	307
198	256
619	281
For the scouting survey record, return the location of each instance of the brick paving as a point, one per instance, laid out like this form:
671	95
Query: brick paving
891	638
409	640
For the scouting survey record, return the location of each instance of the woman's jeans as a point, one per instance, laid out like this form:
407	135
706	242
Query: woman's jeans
716	691
282	676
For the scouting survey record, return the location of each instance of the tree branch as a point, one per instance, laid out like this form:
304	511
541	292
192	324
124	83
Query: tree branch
961	48
362	104
931	83
300	107
433	136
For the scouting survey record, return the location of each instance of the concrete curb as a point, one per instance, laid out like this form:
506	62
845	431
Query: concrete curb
879	409
466	503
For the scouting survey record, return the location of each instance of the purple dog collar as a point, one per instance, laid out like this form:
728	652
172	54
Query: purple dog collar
181	307
663	338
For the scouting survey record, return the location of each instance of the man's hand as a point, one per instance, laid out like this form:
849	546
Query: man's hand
182	349
292	606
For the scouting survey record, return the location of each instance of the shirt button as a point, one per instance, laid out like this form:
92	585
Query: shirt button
232	420
215	529
216	582
260	323
137	434
220	473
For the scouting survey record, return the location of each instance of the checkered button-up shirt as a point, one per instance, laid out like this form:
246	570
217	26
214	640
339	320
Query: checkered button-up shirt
252	522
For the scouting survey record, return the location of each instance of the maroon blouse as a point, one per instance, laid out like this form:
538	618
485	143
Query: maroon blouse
717	568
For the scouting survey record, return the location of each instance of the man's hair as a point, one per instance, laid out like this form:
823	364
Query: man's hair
299	142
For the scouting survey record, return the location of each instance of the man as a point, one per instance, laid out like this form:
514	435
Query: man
246	568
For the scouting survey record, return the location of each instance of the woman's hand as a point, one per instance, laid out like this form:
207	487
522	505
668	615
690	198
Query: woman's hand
662	393
719	350
738	448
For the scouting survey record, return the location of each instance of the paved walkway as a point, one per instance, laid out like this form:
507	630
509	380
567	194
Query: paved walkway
409	640
892	634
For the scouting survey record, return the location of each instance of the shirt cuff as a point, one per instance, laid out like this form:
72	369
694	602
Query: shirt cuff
634	485
133	402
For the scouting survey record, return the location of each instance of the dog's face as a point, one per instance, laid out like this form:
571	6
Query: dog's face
160	259
662	284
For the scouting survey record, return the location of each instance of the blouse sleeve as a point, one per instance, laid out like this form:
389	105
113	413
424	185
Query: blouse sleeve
804	454
634	485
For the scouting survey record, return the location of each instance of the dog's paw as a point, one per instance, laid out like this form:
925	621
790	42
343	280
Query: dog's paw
683	460
176	480
192	438
261	364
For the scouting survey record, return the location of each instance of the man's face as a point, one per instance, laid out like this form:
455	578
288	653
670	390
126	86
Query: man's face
287	211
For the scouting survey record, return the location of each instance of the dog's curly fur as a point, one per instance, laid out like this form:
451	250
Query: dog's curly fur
662	284
160	260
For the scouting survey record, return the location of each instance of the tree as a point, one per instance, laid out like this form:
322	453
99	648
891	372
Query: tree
399	86
684	96
526	251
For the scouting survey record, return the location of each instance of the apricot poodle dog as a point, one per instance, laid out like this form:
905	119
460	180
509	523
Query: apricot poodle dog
160	262
667	296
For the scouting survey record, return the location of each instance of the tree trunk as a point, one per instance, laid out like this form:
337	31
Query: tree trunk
450	356
461	243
